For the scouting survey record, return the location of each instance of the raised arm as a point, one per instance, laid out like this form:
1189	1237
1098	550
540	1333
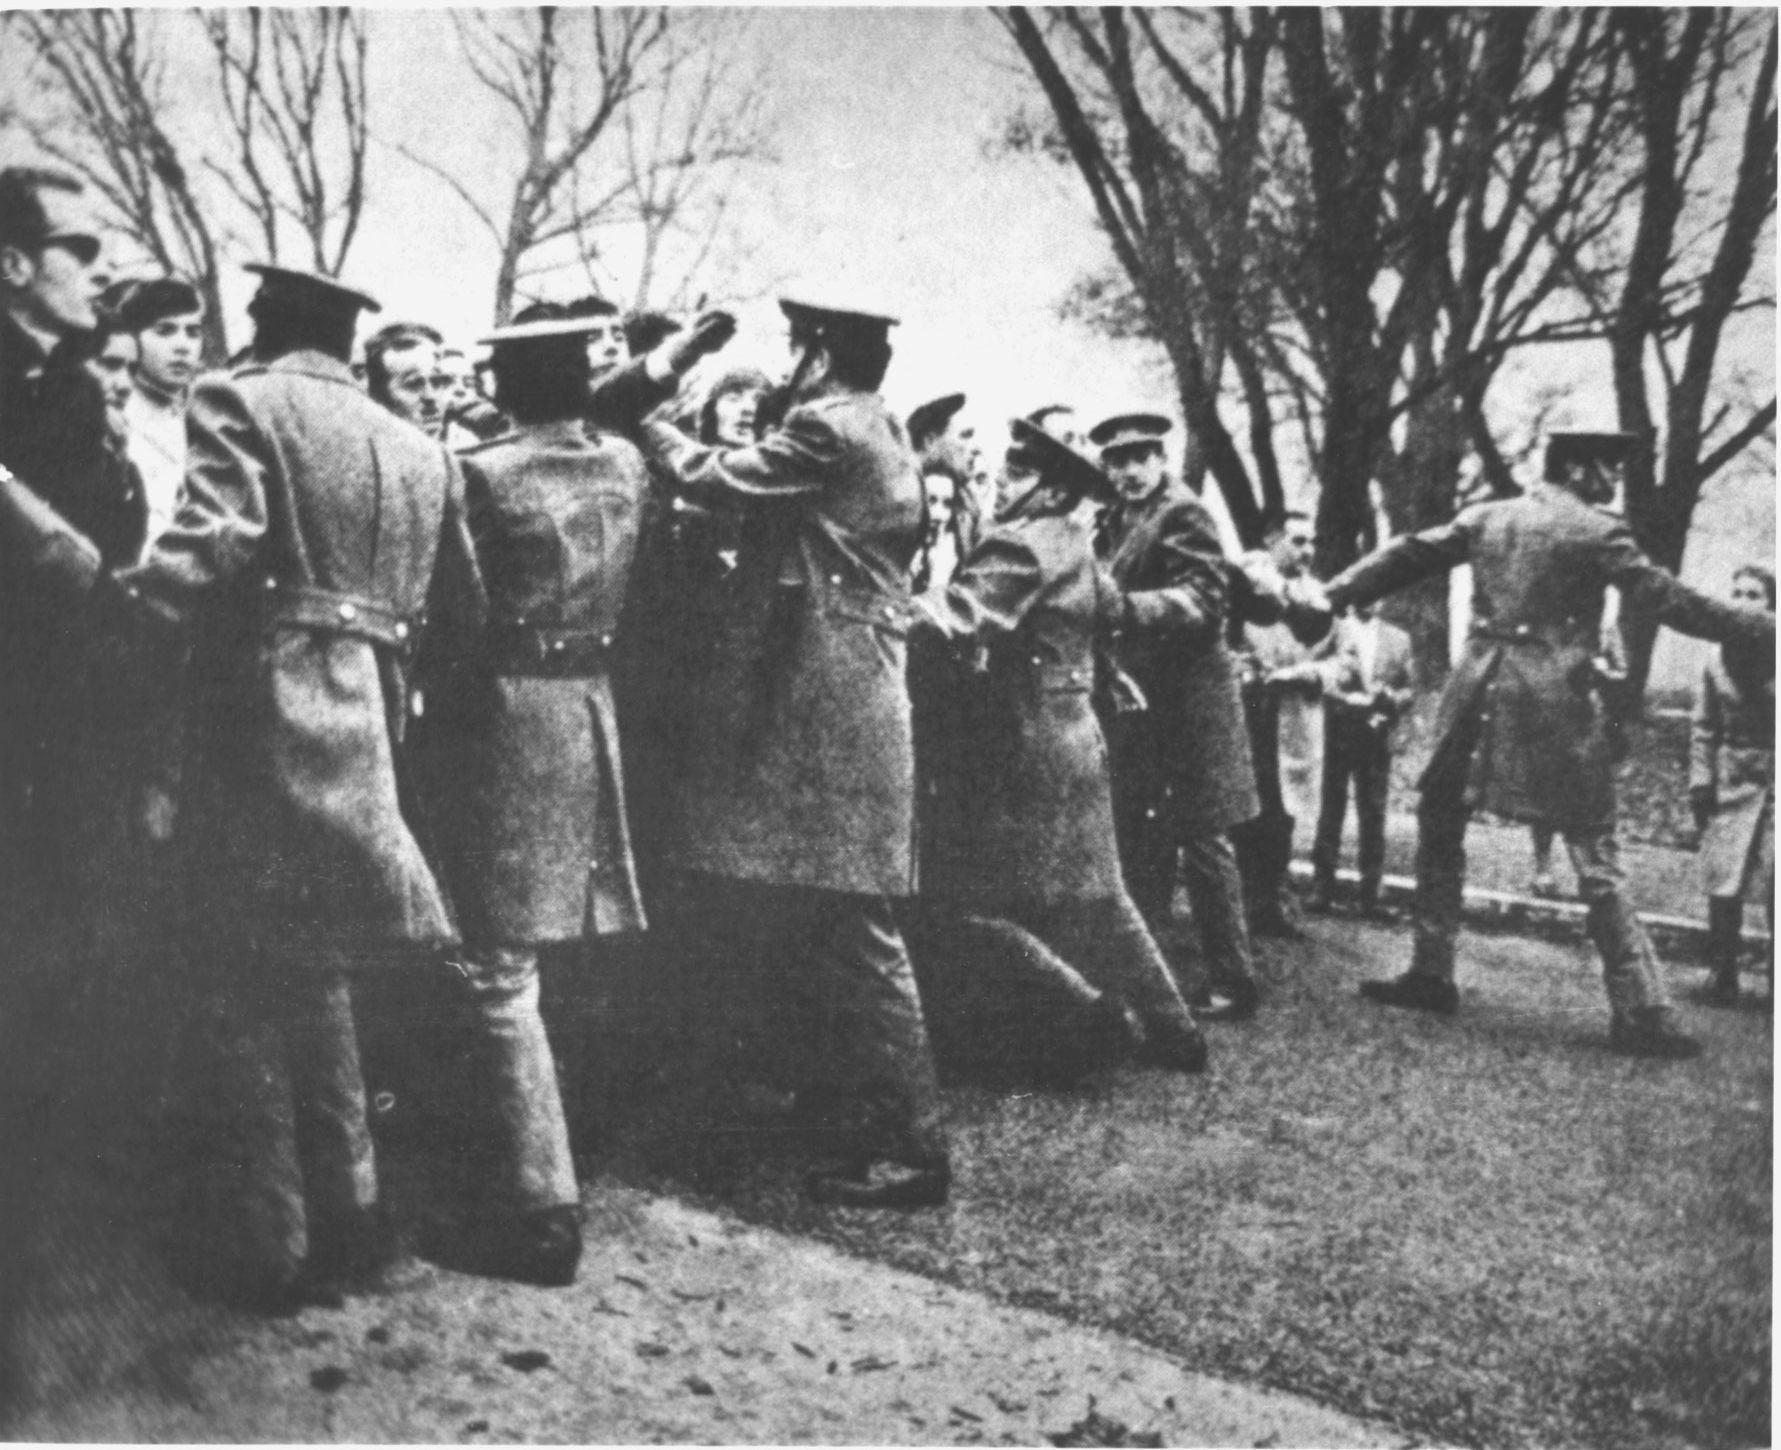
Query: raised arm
1404	561
791	460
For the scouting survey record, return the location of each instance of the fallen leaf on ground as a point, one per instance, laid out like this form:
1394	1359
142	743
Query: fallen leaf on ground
525	1360
327	1379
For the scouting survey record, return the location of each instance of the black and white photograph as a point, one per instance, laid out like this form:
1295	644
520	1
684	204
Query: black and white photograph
888	725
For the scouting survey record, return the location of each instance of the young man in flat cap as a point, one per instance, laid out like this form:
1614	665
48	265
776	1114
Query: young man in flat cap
315	531
946	447
1521	733
1181	769
793	814
165	316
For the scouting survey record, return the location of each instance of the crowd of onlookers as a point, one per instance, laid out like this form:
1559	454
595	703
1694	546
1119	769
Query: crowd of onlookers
524	648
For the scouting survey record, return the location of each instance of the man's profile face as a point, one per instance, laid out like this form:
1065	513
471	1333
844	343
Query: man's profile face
418	386
605	346
55	283
1748	589
1293	548
1135	468
113	365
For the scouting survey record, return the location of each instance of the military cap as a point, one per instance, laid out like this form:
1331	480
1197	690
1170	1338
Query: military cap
1564	449
1058	464
542	320
310	290
1125	430
823	314
931	418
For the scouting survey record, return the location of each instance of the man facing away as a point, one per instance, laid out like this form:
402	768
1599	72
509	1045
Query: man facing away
1521	732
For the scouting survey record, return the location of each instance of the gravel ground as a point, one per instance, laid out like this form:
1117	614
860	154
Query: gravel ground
684	1327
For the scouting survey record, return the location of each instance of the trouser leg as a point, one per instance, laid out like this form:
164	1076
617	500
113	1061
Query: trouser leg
1332	809
1215	891
1147	847
328	1093
1372	788
1630	969
869	1011
526	1101
1109	940
1441	818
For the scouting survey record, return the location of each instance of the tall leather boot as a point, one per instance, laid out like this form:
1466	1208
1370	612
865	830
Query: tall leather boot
1725	932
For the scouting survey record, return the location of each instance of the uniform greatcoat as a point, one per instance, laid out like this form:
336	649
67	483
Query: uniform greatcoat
1165	555
1527	684
531	815
1732	752
800	766
313	524
1521	730
1037	825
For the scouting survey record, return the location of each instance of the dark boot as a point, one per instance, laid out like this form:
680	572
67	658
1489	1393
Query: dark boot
1651	1032
1725	932
1419	991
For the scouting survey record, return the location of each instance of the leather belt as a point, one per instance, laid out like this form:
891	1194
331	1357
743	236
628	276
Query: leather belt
325	611
545	653
1560	632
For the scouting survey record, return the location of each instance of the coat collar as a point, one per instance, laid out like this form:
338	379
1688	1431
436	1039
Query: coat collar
308	363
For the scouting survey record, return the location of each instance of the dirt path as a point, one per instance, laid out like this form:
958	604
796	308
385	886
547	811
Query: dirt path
684	1327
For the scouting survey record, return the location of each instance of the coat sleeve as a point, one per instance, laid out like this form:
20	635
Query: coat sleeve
457	604
1707	727
792	460
622	399
1647	589
222	519
1189	606
991	593
1405	560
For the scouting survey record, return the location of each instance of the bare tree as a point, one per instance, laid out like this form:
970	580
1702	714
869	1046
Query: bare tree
288	90
1687	271
1163	117
101	77
622	119
293	89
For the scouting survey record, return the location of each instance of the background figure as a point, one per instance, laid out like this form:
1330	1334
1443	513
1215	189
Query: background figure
403	373
1370	689
1181	769
165	316
1282	683
948	454
1731	788
1521	730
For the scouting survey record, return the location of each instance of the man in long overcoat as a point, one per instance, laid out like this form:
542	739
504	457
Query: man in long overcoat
1521	731
525	778
315	533
1181	768
793	815
1028	853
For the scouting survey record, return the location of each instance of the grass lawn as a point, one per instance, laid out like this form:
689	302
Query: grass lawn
1483	1229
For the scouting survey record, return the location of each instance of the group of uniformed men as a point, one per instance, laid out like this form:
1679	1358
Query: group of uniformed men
405	675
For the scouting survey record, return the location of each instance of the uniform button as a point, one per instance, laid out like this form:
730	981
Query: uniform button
605	641
558	645
271	583
348	613
834	578
401	630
